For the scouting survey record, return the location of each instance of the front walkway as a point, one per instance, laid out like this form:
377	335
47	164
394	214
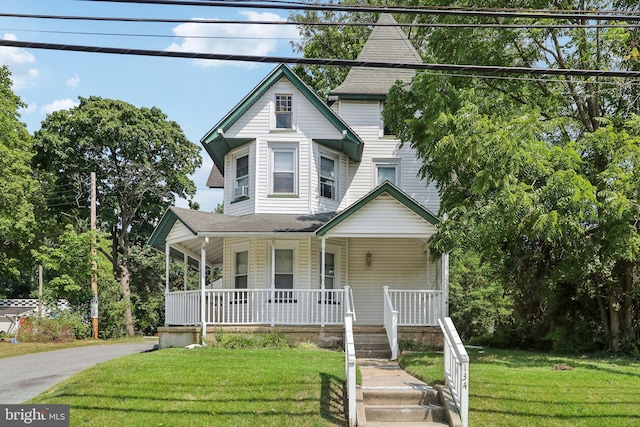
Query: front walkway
390	396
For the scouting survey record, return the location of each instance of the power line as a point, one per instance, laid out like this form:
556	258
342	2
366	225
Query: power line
597	15
305	23
484	69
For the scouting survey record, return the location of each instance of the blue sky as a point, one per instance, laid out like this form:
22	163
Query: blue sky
195	94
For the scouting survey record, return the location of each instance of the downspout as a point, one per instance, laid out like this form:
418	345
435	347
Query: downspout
203	284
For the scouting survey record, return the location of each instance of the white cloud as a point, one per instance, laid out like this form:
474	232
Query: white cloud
237	39
32	107
73	81
60	104
18	60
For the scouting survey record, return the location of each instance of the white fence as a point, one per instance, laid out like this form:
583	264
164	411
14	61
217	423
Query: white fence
256	307
456	368
350	365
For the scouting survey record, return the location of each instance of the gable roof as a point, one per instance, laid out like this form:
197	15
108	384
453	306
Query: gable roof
384	188
387	43
217	145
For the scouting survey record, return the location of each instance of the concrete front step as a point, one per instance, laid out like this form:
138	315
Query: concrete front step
372	346
406	413
426	396
406	424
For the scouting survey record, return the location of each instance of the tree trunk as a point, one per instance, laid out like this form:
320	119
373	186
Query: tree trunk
614	319
604	316
126	297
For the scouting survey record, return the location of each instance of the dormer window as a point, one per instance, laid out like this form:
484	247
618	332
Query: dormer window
284	111
241	184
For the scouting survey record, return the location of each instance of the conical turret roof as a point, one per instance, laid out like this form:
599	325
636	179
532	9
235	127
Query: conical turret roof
386	43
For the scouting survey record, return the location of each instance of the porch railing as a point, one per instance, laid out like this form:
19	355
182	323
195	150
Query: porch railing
257	307
417	307
456	368
391	323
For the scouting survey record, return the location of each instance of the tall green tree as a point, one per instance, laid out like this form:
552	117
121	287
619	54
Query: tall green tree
539	174
19	195
142	162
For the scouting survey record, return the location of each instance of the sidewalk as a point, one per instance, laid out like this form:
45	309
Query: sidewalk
386	374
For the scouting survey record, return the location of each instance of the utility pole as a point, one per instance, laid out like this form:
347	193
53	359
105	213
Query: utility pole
94	265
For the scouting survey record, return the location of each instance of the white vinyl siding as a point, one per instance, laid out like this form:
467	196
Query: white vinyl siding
384	217
233	205
364	118
397	263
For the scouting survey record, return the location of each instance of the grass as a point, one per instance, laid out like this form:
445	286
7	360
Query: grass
518	388
22	348
208	387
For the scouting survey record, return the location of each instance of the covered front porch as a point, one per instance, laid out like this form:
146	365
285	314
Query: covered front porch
372	261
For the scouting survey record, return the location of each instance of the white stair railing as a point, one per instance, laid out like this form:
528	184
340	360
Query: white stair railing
456	368
391	324
350	363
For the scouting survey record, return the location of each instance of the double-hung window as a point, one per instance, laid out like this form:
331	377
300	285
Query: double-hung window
284	111
283	274
241	274
284	170
241	185
327	177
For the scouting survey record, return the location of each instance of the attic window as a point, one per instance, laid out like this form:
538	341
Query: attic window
284	112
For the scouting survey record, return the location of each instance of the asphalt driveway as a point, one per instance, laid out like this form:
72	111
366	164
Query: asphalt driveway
24	377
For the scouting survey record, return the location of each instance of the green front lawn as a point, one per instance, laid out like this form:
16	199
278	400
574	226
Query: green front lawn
517	388
208	387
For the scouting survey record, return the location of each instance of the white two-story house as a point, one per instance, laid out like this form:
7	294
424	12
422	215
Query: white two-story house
324	212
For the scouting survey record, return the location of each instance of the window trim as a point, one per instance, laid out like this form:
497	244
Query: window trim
237	198
286	294
283	147
390	162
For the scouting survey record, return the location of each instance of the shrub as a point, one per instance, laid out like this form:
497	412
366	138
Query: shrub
47	330
271	340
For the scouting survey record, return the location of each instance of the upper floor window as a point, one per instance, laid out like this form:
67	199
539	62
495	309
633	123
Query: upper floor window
327	177
284	170
387	170
384	129
242	270
284	112
241	184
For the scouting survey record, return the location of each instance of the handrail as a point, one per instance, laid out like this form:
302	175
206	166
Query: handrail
456	368
349	306
391	323
350	365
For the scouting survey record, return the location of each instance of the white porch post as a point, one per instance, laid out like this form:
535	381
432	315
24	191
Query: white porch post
185	268
273	281
167	250
445	284
322	274
203	284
